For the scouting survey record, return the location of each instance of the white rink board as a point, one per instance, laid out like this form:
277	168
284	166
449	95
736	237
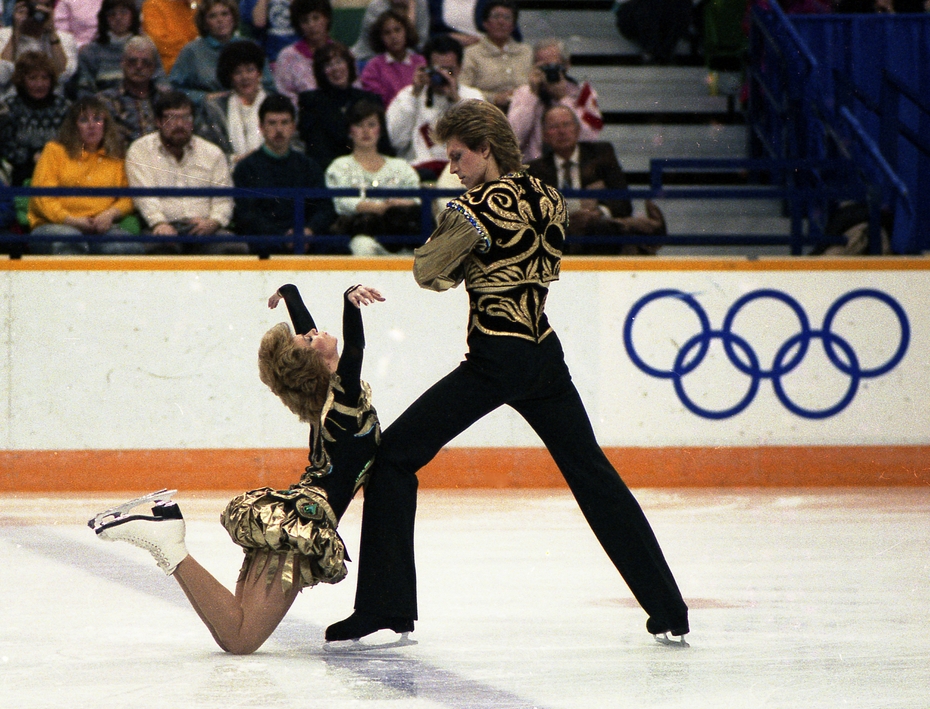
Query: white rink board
166	359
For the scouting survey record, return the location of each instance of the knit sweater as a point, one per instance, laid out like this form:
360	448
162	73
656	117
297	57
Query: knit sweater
25	127
256	215
56	168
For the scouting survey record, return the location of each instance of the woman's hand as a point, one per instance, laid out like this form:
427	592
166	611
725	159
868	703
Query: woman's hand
103	222
364	295
84	224
274	300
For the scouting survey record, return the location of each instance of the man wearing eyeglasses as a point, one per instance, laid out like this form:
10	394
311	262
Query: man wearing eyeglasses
413	113
132	103
175	157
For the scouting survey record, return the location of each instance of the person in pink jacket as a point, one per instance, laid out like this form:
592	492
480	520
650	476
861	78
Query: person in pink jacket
549	85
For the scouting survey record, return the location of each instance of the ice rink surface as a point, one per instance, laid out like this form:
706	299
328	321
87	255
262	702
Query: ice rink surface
800	599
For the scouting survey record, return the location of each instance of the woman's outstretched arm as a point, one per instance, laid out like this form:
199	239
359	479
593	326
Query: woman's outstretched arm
353	336
300	316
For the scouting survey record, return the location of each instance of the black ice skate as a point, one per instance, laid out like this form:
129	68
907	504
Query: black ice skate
346	635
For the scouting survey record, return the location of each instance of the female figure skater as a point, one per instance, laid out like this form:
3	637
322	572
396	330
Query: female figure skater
503	237
289	536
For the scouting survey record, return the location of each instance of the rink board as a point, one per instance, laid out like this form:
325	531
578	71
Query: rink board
132	373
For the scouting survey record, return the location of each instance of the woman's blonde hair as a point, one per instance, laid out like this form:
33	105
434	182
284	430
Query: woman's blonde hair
476	122
297	375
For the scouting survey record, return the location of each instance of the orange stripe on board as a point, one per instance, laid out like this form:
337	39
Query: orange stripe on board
405	263
230	469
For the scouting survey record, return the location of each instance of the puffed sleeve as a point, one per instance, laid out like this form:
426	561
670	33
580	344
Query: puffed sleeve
437	264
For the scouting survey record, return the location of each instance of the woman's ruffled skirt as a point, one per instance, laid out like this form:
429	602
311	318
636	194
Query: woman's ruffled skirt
297	523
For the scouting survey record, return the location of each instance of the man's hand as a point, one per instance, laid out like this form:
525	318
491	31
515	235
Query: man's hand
651	224
164	229
274	300
203	226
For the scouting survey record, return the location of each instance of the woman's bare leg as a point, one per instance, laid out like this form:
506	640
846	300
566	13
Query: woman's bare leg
239	623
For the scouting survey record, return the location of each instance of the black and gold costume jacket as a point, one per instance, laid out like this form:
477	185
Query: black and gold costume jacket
504	239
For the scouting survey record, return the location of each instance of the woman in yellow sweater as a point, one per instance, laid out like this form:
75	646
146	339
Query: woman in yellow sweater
89	152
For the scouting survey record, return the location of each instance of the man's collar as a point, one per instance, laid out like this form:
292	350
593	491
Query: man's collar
187	150
272	154
575	157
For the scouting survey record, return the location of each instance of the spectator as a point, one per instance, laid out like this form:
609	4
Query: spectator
277	164
270	23
231	119
365	217
394	38
34	31
461	19
321	113
79	18
175	157
88	153
416	12
194	72
293	72
413	113
100	63
132	102
550	84
570	164
497	64
170	24
655	25
31	116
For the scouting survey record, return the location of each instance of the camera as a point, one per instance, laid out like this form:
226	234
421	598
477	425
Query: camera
37	14
553	72
437	77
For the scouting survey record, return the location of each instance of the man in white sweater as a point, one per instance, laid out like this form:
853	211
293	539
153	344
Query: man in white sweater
414	111
175	157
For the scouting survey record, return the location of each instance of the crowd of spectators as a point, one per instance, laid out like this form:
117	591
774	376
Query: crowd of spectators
258	94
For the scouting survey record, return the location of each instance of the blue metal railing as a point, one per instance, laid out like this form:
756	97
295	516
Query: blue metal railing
814	122
773	188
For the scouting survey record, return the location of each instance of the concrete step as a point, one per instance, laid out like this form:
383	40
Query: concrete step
636	145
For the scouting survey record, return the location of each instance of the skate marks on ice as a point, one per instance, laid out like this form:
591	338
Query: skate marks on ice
379	672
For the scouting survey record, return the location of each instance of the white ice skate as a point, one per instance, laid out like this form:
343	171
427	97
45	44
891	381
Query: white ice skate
673	641
161	533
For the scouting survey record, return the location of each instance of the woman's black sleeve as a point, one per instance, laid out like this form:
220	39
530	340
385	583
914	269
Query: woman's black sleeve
300	316
353	348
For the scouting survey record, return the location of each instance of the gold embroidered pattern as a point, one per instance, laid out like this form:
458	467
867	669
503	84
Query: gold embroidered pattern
507	284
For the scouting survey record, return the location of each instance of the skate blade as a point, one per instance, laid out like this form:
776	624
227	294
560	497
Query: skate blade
348	647
114	513
664	639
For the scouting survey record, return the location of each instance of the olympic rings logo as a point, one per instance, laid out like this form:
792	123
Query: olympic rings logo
787	358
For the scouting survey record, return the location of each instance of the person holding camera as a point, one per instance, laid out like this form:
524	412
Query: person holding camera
416	108
33	30
549	85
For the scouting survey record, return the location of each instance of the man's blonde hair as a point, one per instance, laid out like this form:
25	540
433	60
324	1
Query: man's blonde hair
476	122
